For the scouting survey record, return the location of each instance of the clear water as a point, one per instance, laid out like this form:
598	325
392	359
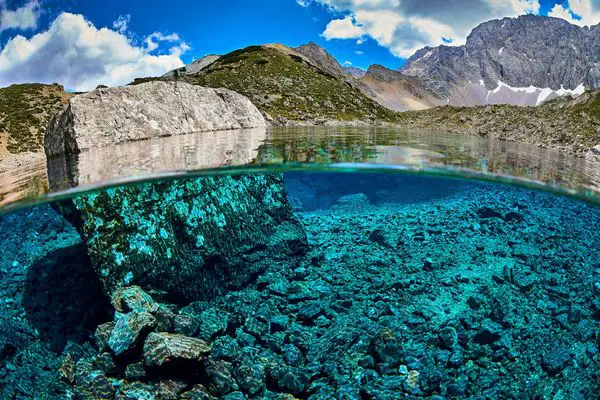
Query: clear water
317	268
374	286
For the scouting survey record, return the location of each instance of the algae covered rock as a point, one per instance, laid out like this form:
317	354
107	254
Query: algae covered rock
163	348
128	330
189	239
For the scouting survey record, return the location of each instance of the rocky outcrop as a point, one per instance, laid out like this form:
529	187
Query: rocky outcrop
189	239
521	61
354	72
194	67
109	116
321	58
593	154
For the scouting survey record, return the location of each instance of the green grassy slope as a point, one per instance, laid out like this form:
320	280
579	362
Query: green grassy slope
25	111
283	84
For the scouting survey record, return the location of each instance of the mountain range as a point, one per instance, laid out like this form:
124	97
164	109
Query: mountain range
520	61
514	78
523	61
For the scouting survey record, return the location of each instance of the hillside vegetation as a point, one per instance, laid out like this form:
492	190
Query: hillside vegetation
25	111
287	86
571	125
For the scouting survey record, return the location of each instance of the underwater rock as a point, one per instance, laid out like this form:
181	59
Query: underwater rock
135	371
386	348
489	333
557	358
92	384
352	203
128	330
164	348
170	389
288	379
212	323
102	335
251	376
191	238
198	392
108	116
133	298
220	377
136	390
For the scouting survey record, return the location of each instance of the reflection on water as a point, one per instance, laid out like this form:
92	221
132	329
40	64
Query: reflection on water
301	147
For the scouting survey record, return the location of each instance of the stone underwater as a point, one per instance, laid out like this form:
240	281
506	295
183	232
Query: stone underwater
302	285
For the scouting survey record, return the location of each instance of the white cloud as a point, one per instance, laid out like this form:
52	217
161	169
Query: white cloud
75	53
153	40
122	23
343	29
579	12
405	26
558	11
347	64
359	52
22	18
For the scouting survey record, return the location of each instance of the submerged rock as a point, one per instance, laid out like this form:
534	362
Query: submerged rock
91	384
164	348
190	238
128	331
107	116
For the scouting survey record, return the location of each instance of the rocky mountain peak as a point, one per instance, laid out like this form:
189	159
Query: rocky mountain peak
382	73
524	55
356	73
321	58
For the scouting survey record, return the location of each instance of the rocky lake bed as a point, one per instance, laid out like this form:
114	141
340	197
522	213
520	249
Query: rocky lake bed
465	290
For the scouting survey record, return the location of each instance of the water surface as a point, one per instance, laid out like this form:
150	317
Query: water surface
301	263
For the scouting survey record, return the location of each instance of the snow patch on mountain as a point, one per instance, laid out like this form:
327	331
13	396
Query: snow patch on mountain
530	95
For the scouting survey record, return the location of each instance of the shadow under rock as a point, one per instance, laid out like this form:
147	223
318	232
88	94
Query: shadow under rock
63	297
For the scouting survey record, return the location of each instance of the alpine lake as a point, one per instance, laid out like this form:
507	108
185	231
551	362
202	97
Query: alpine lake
301	263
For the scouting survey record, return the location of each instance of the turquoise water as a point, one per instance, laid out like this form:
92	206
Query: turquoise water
302	285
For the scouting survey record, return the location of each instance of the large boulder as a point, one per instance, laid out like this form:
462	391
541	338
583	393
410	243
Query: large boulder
108	116
191	238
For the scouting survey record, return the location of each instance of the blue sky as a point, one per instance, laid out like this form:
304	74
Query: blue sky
382	32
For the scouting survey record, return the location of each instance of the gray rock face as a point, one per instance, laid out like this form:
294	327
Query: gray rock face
194	67
354	72
321	58
153	109
593	154
521	52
